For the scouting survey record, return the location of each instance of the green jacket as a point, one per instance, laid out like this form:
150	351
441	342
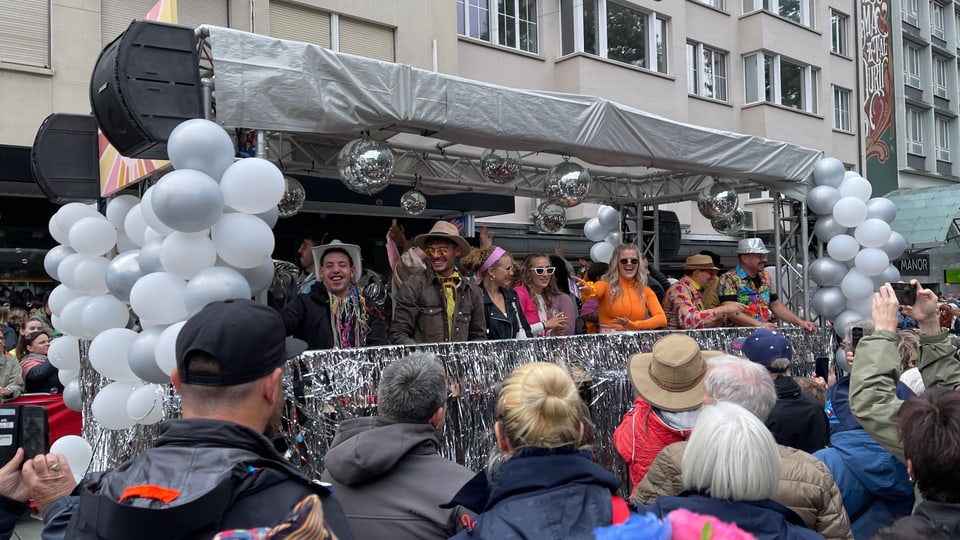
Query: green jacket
873	382
11	376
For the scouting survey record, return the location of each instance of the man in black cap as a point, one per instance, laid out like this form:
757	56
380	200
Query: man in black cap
212	470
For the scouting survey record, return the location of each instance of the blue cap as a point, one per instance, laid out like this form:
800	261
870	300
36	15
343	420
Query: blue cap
764	346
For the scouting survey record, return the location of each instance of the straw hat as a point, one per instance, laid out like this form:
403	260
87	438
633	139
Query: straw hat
352	249
671	377
447	231
699	262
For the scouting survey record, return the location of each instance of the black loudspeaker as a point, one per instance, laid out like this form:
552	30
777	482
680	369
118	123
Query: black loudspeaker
145	83
64	158
669	232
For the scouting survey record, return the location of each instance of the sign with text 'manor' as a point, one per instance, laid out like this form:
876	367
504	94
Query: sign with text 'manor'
913	265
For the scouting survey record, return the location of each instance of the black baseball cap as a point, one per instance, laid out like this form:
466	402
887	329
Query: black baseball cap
247	339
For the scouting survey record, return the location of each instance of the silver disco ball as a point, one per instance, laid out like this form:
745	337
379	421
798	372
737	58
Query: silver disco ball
293	197
550	218
366	166
717	200
413	202
566	184
500	166
729	225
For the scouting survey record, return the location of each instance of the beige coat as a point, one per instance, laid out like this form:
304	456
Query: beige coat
806	487
11	376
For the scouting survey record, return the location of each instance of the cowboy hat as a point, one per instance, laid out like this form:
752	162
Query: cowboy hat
699	262
671	377
352	250
446	231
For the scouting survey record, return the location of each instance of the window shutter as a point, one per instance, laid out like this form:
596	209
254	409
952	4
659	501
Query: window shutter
25	32
367	39
299	23
116	15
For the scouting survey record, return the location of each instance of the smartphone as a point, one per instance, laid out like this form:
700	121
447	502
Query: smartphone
23	426
855	334
906	293
821	367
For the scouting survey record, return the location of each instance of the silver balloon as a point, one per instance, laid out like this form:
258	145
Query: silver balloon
150	257
259	277
717	201
122	272
71	395
413	202
827	272
293	198
212	284
53	258
141	356
550	218
829	172
890	275
881	208
500	166
187	201
729	225
566	184
842	322
827	227
828	302
366	166
895	245
822	198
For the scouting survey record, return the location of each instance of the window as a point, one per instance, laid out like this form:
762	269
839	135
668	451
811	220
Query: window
841	108
115	15
25	33
838	32
299	23
909	11
936	20
513	24
800	11
943	138
940	76
957	30
914	131
719	4
332	31
612	30
706	71
774	79
911	65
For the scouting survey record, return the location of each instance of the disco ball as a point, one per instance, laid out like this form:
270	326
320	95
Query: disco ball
566	184
729	225
366	166
550	217
292	200
500	166
413	202
717	201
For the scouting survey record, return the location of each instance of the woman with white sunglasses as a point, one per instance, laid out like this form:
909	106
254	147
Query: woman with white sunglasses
549	311
624	300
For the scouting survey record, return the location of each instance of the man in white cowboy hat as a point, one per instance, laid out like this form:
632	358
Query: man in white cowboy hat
435	304
683	301
335	313
749	284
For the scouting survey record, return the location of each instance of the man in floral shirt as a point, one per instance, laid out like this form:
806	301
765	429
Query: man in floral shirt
683	302
750	285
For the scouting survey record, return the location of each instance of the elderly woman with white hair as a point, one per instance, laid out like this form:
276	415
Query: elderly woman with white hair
731	468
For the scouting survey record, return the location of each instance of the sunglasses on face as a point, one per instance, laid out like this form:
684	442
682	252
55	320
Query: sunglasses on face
629	261
507	269
433	252
543	270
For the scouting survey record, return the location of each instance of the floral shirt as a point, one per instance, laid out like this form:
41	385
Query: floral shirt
684	306
737	286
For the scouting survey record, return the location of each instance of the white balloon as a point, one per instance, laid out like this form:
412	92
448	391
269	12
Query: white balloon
64	352
157	299
872	261
108	354
134	226
118	207
149	259
252	185
53	258
609	217
151	234
72	398
259	277
90	275
93	236
188	200
890	275
601	252
68	267
77	451
843	247
857	187
856	285
145	404
166	351
109	407
613	239
861	306
59	296
242	240
71	318
212	284
102	313
271	216
873	233
850	211
894	245
185	254
124	243
594	230
202	145
150	216
67	375
142	356
57	233
71	213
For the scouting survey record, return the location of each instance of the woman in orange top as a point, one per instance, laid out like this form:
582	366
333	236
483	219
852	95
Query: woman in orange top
625	301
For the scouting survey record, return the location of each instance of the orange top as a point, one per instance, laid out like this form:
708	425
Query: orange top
643	310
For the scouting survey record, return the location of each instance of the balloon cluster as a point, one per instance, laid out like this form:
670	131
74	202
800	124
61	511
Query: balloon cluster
202	233
605	231
860	244
720	204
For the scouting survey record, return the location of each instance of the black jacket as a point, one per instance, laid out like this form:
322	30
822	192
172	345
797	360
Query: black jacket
797	420
500	326
929	515
307	317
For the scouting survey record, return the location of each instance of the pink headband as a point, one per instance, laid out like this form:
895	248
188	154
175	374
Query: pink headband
493	258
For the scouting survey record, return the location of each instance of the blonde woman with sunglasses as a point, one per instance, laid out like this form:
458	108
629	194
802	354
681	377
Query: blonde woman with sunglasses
625	302
548	311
